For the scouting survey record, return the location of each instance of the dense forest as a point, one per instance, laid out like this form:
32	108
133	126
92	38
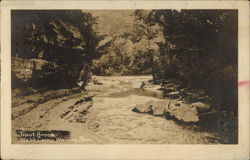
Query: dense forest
195	48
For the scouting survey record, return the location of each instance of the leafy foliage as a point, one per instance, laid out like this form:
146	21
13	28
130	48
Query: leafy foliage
64	37
200	50
132	52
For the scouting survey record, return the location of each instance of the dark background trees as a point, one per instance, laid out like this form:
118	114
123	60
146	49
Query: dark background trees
200	51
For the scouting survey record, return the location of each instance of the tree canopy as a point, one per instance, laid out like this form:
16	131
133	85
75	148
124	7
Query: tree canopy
200	50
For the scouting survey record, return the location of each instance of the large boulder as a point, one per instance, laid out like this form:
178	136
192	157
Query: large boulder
24	69
182	111
156	108
177	109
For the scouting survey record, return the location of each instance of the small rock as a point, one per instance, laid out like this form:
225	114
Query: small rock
97	82
142	84
168	89
178	103
200	107
142	108
190	94
174	94
29	101
182	90
41	114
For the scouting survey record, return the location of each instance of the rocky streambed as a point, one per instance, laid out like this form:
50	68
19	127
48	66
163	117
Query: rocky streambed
107	113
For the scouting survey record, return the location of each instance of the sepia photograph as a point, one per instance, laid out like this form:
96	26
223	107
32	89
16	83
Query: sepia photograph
125	80
124	76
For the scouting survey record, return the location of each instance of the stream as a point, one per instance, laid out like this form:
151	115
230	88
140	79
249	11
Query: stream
110	120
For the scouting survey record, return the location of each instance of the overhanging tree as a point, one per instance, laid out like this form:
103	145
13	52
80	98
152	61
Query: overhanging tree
64	37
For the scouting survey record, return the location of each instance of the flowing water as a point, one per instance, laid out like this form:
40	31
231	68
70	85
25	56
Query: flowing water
111	120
